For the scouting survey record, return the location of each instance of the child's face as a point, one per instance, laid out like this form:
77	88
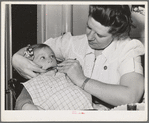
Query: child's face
45	58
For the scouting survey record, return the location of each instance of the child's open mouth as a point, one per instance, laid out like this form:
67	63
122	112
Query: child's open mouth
52	68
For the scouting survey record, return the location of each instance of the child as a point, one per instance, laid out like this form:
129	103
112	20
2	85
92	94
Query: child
53	90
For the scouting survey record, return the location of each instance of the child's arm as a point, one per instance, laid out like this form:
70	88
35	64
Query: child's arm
29	106
24	101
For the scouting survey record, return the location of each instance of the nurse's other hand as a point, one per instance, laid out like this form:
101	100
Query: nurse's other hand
74	71
26	67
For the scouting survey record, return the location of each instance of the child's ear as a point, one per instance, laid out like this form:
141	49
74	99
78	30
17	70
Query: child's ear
31	58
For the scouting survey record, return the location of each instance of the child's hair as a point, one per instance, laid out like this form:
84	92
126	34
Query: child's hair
39	46
29	51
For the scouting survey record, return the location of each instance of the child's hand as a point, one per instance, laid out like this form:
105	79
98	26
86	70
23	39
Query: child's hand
29	106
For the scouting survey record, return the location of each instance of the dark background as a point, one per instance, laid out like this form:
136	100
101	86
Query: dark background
24	29
24	32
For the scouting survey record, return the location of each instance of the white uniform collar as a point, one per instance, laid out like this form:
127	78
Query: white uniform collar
109	50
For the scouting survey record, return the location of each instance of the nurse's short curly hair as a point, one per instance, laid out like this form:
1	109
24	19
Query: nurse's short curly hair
117	17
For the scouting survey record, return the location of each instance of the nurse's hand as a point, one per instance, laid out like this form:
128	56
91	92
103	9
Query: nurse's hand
74	71
26	67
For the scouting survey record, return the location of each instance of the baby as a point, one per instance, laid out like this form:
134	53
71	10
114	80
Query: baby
53	90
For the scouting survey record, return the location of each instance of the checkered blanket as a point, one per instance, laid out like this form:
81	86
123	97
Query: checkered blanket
56	92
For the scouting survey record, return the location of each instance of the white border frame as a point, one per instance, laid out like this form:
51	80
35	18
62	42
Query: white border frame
70	115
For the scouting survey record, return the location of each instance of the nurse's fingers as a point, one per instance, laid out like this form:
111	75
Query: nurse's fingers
63	69
67	62
30	74
25	76
37	68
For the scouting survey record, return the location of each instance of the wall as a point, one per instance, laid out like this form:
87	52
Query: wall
55	21
139	31
80	15
8	55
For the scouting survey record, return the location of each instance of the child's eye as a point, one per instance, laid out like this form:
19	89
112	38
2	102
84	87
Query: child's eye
52	56
42	57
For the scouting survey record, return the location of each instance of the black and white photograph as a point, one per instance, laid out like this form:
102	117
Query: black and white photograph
74	61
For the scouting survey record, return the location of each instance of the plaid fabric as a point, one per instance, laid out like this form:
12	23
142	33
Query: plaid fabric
56	92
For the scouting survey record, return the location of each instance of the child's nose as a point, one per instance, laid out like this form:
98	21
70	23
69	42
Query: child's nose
49	60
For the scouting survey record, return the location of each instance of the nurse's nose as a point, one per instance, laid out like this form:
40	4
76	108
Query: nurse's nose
91	35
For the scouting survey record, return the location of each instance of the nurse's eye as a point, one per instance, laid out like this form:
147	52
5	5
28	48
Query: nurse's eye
100	36
42	57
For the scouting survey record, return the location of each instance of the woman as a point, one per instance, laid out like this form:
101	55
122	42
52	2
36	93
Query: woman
108	64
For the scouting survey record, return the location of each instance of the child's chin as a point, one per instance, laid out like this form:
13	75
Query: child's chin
47	67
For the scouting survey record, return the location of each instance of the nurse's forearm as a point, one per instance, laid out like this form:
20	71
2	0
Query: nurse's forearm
21	51
17	55
111	94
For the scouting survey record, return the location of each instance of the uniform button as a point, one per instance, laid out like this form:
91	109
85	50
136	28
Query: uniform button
105	67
